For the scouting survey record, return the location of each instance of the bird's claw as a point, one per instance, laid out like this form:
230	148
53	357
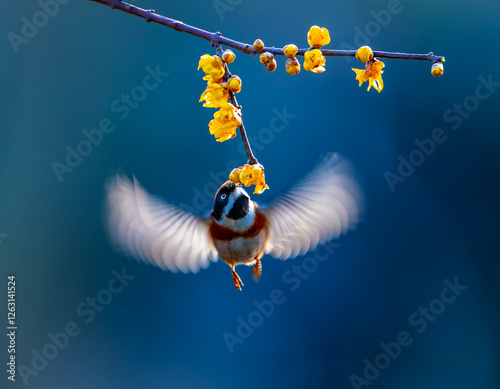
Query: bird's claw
237	280
257	270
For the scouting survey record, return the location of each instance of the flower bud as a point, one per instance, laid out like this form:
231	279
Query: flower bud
290	50
213	67
266	57
318	36
364	54
228	56
292	66
314	61
271	65
437	69
258	45
234	176
251	175
234	83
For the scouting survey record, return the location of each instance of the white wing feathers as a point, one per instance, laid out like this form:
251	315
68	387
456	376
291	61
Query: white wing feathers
324	204
147	228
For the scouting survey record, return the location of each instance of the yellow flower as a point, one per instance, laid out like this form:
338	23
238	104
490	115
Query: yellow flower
317	37
290	50
258	45
234	176
292	66
213	68
225	122
271	66
228	56
314	61
364	54
234	83
266	57
250	175
437	69
372	73
215	95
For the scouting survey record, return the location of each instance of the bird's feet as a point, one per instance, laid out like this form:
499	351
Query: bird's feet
236	279
257	270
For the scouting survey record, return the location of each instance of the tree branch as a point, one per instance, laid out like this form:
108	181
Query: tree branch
232	96
216	37
251	158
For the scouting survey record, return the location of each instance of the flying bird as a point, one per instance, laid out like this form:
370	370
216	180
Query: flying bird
324	204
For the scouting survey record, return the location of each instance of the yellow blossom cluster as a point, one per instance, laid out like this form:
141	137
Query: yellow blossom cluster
250	175
373	69
221	86
314	59
371	73
292	64
228	118
216	95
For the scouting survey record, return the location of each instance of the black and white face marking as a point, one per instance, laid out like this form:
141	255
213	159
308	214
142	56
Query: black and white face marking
233	207
221	199
239	209
239	213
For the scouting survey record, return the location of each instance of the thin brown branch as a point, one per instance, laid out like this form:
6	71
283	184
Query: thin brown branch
232	96
251	158
216	37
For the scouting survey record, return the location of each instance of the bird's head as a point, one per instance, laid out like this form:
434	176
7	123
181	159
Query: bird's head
231	204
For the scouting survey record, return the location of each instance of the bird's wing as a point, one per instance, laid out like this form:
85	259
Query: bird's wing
324	204
154	231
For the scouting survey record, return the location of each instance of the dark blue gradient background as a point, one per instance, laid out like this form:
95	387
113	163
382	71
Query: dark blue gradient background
166	330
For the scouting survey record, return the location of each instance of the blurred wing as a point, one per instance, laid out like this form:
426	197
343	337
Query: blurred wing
147	228
324	204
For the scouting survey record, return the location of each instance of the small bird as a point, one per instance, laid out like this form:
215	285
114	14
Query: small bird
324	204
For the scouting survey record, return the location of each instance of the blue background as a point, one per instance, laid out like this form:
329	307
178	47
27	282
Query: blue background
166	330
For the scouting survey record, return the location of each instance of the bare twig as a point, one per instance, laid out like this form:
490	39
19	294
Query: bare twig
216	37
251	158
232	96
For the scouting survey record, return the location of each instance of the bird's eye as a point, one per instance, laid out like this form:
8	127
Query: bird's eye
223	196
